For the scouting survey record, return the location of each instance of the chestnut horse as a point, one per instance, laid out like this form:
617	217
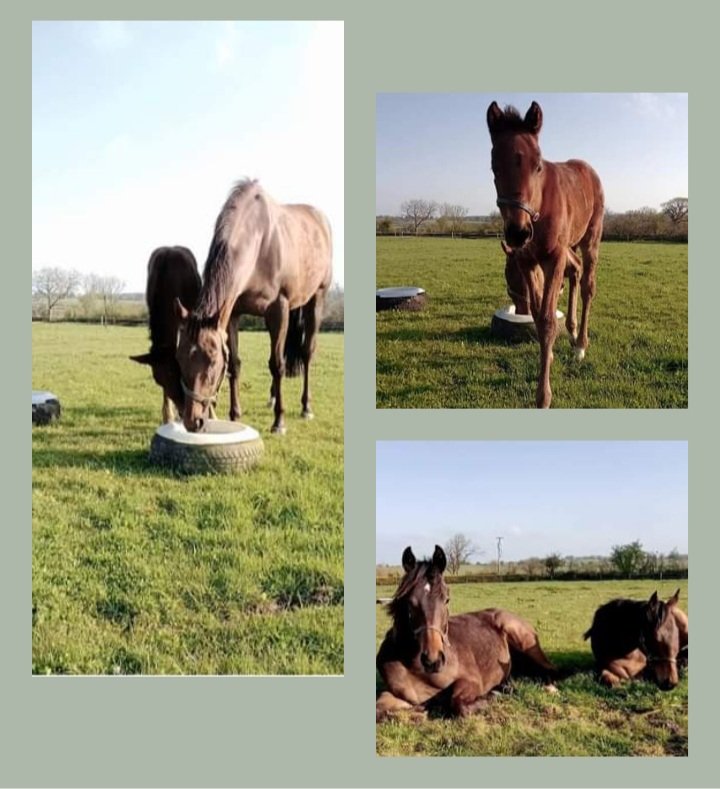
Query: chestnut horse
549	210
265	259
634	637
173	273
430	659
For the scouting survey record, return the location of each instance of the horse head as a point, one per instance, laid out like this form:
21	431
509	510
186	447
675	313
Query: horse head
165	372
518	170
202	356
661	640
420	608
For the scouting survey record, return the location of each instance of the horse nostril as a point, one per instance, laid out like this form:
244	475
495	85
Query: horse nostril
199	422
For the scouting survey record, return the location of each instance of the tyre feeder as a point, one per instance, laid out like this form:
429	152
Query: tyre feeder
408	298
510	326
45	408
224	447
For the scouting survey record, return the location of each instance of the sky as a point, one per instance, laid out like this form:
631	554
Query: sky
576	498
140	130
436	146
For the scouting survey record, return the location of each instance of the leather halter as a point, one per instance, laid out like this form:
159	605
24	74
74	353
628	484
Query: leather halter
443	633
508	201
207	401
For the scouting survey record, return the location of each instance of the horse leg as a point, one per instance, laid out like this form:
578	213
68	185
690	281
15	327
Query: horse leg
623	668
587	285
234	365
546	324
573	271
387	705
168	410
465	697
312	316
276	319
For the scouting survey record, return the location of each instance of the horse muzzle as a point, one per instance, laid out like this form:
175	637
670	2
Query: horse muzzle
516	235
432	666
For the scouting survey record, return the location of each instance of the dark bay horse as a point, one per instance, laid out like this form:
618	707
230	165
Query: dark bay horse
173	274
549	211
431	659
265	259
634	637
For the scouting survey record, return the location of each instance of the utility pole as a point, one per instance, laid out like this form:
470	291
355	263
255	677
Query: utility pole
499	553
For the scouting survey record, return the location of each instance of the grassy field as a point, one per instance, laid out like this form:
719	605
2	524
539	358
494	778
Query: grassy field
445	356
584	718
139	571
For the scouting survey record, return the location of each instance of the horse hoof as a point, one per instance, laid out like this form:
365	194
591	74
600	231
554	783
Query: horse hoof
308	415
550	688
278	430
579	354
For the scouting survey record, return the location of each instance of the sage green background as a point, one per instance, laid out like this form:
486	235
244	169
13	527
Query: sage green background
320	731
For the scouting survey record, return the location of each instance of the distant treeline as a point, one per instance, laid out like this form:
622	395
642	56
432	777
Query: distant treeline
132	311
393	578
644	224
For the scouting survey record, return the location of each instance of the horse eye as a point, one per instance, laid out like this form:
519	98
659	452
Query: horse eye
539	167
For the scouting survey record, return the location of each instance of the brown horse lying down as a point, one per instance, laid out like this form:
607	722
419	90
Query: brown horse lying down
430	659
634	637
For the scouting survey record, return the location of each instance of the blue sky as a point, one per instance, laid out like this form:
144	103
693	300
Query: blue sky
141	128
436	146
574	497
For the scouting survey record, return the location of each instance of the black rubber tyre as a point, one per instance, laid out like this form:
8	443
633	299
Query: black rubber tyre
516	328
410	299
47	411
207	458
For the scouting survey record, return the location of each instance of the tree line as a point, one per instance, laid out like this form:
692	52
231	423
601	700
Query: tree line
65	294
630	560
427	217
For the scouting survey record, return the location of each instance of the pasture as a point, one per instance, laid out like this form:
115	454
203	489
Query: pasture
137	571
583	718
445	356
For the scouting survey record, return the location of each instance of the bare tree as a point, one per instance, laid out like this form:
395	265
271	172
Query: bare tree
106	290
676	210
458	550
417	212
454	216
54	284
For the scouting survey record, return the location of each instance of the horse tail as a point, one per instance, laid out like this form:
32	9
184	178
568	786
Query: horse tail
294	342
587	634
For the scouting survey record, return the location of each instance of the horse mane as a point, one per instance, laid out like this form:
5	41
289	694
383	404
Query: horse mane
217	274
513	120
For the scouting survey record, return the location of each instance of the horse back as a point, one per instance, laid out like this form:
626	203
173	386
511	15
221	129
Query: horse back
172	273
576	193
616	628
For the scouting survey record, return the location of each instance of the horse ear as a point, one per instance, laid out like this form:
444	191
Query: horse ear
534	118
653	598
439	559
673	601
408	559
495	117
143	358
180	311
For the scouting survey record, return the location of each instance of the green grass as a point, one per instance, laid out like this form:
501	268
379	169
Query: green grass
445	356
139	571
584	718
